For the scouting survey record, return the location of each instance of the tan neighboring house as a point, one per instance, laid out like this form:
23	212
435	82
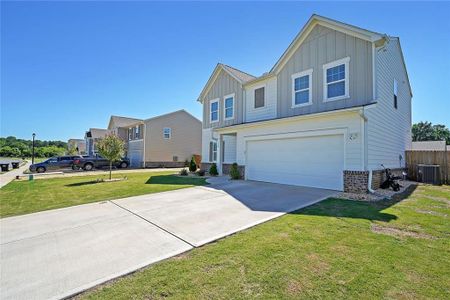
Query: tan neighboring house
91	137
163	141
429	146
78	144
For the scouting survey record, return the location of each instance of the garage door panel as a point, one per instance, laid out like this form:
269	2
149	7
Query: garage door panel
309	161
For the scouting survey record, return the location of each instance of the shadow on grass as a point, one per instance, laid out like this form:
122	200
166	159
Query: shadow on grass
83	183
175	180
334	207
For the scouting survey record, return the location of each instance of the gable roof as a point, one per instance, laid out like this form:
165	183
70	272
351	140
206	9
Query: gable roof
241	76
97	132
121	121
358	32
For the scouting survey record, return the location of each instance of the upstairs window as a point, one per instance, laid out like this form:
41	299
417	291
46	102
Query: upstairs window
137	132
214	111
228	104
130	134
302	88
167	133
336	80
259	97
395	93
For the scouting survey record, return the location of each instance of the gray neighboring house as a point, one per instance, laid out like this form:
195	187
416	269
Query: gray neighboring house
91	137
430	146
162	141
332	109
78	144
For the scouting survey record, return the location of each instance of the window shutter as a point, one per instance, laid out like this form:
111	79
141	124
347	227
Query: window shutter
210	151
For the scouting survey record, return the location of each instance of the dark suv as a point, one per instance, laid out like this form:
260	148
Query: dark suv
55	163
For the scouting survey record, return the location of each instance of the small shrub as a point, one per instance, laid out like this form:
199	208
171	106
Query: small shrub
234	171
201	172
192	165
213	170
184	172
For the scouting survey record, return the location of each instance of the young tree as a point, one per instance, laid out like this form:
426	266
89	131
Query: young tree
111	147
192	165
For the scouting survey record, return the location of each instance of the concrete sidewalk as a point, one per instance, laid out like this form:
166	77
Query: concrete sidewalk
10	175
57	253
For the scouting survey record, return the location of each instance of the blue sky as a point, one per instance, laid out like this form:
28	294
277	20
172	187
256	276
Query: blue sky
68	66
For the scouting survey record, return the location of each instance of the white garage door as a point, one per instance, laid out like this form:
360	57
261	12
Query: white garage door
136	158
307	161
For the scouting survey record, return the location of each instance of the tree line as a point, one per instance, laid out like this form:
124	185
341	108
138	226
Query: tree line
426	131
14	147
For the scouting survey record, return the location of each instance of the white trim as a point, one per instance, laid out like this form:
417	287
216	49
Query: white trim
225	109
254	88
218	110
374	73
164	133
295	76
343	61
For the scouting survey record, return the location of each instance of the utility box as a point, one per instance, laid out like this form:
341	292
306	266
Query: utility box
429	173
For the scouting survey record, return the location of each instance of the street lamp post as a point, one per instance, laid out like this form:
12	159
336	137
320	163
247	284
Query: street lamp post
32	155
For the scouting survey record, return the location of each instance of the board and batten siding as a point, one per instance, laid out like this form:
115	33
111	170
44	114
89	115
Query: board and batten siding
185	141
322	46
389	129
223	86
269	110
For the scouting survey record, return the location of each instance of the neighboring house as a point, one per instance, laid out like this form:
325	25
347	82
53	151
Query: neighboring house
334	107
429	146
91	137
163	141
78	145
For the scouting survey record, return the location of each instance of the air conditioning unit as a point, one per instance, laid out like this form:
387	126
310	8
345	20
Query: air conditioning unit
429	173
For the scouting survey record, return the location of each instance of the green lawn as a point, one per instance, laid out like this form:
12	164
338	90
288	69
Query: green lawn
22	197
334	249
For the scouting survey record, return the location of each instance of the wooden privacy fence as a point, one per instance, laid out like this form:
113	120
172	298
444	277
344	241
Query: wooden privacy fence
415	157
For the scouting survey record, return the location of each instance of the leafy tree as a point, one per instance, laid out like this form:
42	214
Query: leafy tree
6	151
112	148
426	131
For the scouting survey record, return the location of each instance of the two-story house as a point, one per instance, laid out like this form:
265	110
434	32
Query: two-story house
333	108
91	137
163	141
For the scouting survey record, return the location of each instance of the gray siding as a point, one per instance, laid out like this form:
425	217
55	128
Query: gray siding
223	85
389	129
322	46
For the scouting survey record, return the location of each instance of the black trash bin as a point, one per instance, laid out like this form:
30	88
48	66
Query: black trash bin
15	164
5	167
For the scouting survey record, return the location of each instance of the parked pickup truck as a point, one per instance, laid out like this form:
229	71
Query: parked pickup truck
55	163
91	162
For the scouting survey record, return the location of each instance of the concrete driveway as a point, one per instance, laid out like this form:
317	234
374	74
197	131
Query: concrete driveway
54	254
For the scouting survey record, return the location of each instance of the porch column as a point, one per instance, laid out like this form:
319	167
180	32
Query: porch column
219	154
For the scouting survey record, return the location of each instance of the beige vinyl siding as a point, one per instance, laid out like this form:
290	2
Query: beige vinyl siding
322	46
389	129
185	141
223	86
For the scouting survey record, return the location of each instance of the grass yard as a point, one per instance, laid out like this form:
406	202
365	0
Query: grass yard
334	249
23	197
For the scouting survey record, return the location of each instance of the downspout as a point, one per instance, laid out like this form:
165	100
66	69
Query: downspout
364	152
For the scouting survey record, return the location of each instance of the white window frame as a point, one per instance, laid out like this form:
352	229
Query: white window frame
225	109
130	133
265	96
343	61
297	75
395	93
211	159
137	132
210	111
169	133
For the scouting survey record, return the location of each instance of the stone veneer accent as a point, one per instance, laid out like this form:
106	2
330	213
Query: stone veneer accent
164	164
356	181
226	169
